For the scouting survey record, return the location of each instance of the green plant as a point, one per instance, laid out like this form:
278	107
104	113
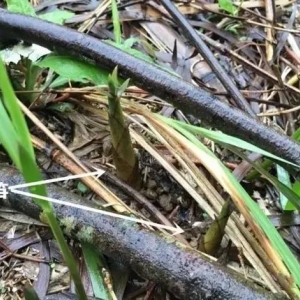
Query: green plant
285	261
124	156
228	6
32	70
15	138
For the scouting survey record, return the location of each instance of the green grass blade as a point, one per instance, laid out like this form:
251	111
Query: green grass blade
8	137
223	139
267	164
72	69
284	177
281	187
14	111
275	238
30	293
95	263
20	6
296	134
116	22
25	161
57	16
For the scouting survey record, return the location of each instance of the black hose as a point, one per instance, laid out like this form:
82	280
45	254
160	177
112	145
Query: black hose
185	272
182	95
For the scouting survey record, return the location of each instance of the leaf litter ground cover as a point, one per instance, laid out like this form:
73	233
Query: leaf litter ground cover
69	97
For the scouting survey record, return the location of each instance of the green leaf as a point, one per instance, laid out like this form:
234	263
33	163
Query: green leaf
126	47
266	164
138	54
20	6
130	42
122	88
275	238
228	6
113	82
74	70
31	173
280	186
95	263
23	153
30	293
284	178
296	190
116	22
26	163
296	134
61	81
8	137
223	139
16	115
82	187
58	16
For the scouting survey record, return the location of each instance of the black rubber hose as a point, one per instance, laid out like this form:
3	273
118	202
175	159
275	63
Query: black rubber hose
186	273
182	95
192	36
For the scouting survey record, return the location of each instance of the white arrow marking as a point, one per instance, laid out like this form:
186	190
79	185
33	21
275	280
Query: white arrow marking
97	173
176	230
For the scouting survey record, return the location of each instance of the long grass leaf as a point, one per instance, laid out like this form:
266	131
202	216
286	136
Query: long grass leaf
14	111
30	293
8	137
261	220
116	21
28	167
223	139
281	187
95	263
284	178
